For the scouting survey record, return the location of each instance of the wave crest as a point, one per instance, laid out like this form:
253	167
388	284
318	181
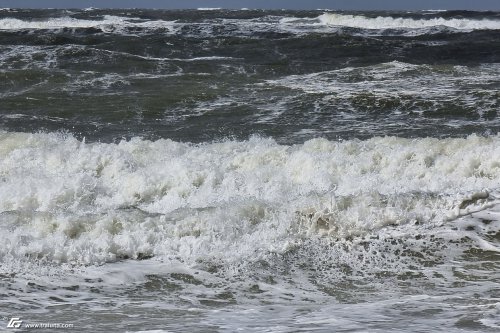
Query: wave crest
67	201
384	22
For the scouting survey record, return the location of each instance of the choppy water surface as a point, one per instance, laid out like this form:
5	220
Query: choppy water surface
275	171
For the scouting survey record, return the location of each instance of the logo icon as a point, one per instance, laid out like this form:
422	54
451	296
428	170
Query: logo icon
14	322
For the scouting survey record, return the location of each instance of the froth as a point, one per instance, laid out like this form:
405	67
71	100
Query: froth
381	22
401	87
109	23
63	200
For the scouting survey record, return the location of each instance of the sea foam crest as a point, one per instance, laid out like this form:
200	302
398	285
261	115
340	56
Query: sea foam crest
67	201
108	23
384	22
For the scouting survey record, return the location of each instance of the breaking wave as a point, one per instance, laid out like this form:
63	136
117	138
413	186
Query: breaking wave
386	22
109	23
66	201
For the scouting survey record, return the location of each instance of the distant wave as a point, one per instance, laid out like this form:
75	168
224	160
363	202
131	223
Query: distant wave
108	23
326	22
384	22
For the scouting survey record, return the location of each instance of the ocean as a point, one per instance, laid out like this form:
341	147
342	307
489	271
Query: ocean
249	170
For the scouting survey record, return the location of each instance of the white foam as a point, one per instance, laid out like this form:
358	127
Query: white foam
402	82
385	22
55	23
108	24
328	22
66	201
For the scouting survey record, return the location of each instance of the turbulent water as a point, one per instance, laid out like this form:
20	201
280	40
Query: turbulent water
262	171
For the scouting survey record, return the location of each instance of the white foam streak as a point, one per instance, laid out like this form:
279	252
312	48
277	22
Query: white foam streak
398	80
